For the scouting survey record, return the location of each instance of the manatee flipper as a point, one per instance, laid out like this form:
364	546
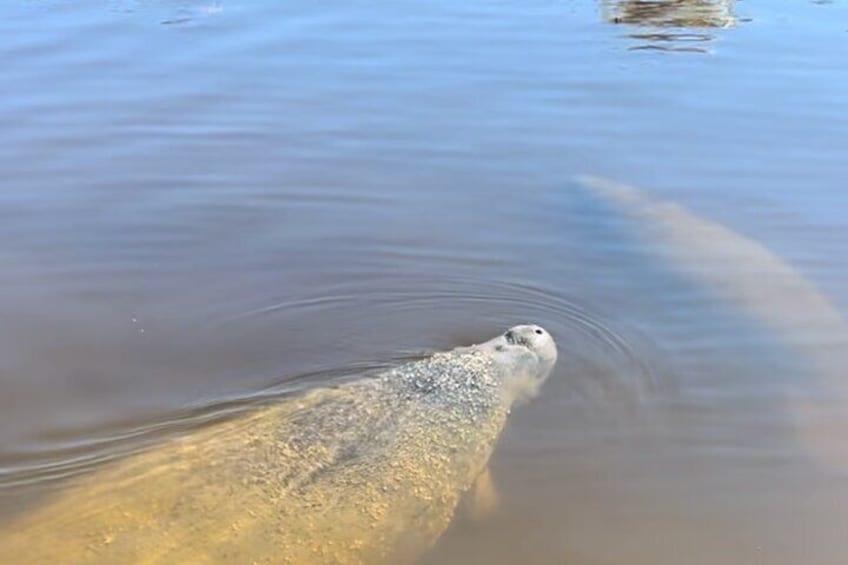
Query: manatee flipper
483	498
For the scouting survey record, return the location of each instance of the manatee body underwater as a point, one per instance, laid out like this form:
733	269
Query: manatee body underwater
370	471
748	275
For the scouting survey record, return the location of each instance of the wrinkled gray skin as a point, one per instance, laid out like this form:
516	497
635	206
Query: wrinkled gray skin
367	472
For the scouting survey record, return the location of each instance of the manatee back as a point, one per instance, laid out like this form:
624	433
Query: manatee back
368	472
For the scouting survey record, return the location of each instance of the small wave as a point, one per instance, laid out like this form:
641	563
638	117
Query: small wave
71	453
580	329
582	334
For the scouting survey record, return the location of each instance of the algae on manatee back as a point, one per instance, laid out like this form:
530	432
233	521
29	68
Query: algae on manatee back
368	472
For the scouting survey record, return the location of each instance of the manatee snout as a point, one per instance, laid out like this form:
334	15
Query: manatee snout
534	338
530	353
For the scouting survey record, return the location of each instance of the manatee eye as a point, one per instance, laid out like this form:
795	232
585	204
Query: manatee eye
538	331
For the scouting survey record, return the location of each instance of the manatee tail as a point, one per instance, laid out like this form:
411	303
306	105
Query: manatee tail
747	274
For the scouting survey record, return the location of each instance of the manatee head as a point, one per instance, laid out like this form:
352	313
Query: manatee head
527	353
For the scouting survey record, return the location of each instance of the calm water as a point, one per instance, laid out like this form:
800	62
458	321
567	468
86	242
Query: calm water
206	203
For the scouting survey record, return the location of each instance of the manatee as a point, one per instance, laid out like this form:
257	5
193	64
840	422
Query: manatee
369	471
745	273
671	13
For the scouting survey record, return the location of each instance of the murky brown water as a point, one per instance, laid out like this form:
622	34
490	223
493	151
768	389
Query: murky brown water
207	204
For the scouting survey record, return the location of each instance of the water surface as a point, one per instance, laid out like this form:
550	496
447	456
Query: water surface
210	203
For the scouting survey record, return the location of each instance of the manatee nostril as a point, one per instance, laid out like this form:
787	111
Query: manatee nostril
510	337
538	331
